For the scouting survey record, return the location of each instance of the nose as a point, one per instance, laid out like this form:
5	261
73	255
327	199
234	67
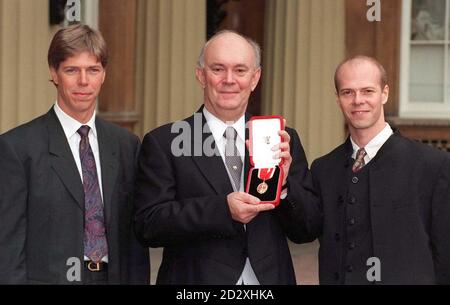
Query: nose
229	77
83	79
358	98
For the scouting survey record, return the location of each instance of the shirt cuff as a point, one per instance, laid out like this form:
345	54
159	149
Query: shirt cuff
284	193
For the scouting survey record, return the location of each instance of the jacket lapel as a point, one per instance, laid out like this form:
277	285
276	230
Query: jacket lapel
383	166
247	164
108	150
211	167
62	160
383	186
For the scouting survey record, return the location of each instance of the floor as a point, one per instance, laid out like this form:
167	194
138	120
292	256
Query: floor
304	258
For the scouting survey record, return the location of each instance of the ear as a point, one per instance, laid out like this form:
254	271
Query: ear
385	94
200	75
338	101
104	76
54	75
255	78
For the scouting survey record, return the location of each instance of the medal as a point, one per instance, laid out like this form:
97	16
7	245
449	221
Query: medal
264	174
262	188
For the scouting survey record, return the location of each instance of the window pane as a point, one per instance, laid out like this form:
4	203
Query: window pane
447	96
428	20
426	73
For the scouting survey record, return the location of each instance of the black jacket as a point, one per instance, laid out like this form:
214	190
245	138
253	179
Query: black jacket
182	206
409	198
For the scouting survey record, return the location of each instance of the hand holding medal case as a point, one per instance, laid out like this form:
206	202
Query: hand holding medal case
266	176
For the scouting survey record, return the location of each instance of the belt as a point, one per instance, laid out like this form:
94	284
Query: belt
96	267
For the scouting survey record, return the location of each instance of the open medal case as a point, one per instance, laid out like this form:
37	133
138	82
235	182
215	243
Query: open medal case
266	174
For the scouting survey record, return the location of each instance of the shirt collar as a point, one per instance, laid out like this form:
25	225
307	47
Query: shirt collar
70	125
375	144
218	127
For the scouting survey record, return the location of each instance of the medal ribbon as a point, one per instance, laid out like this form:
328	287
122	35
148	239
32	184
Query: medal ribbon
265	173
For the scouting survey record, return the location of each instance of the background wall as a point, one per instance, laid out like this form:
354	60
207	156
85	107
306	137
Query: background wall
304	43
154	46
25	34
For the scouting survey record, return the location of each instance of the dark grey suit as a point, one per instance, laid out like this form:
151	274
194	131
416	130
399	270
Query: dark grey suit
182	206
42	204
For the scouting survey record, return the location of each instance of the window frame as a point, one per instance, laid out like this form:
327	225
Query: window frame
427	110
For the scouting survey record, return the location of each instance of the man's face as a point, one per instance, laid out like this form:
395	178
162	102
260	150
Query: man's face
361	96
78	79
229	76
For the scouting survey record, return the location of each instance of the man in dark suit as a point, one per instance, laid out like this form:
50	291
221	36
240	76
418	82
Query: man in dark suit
190	197
67	181
384	209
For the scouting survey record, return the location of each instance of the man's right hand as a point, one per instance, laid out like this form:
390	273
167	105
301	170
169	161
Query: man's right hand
244	207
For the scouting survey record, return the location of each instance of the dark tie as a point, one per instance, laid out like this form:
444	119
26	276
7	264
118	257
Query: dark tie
233	160
359	161
95	244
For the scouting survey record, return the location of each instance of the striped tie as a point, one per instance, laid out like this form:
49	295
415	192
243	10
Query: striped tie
359	161
233	160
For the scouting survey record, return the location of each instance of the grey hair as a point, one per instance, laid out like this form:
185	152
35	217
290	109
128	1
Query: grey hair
255	46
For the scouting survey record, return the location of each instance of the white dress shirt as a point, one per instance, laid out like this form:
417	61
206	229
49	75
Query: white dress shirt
217	128
70	127
374	145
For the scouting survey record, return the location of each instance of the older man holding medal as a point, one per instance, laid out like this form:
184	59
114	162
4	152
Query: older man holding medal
194	205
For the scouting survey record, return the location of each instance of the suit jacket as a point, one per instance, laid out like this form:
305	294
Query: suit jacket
409	202
42	204
182	206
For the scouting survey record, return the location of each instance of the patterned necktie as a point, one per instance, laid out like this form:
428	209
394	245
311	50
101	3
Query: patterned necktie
95	244
359	161
233	160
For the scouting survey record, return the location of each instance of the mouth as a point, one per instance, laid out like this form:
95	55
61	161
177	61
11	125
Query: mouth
228	93
82	94
360	112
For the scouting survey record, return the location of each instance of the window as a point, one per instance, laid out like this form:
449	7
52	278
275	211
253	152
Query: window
425	59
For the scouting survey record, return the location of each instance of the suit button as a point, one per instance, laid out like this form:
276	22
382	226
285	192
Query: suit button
336	276
351	221
337	237
355	180
349	268
351	245
244	252
352	200
340	199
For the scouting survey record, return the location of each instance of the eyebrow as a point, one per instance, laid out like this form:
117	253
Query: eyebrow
75	66
363	88
242	66
235	66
